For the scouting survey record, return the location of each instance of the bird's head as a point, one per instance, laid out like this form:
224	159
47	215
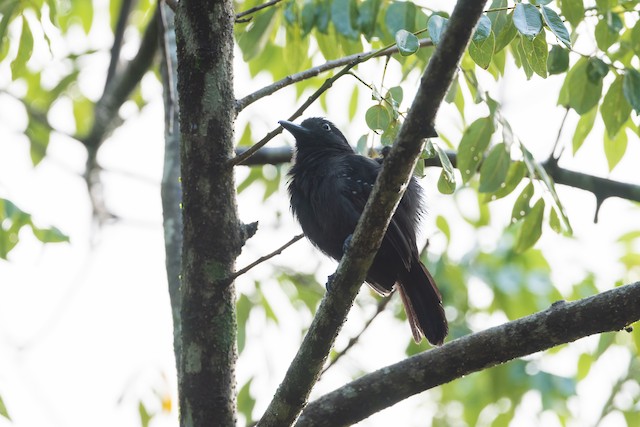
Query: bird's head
318	133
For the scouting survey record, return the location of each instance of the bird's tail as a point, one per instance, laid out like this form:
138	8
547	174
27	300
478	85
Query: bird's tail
423	304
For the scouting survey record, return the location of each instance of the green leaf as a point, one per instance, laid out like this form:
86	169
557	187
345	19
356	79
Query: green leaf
447	167
503	28
481	51
635	39
407	42
38	135
443	225
3	410
604	5
615	109
390	133
253	41
608	31
343	15
554	221
494	169
445	185
536	52
377	118
521	56
361	145
515	174
400	16
246	140
145	416
397	94
584	126
597	69
583	93
614	148
84	10
367	16
436	26
7	11
483	29
353	103
83	115
631	88
522	204
25	49
49	235
558	60
573	10
556	25
527	20
473	144
536	169
243	309
246	402
531	228
307	17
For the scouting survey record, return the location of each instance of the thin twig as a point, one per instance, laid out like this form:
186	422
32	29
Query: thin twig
313	72
265	258
256	8
381	306
557	141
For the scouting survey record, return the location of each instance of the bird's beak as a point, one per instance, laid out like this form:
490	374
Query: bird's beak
296	130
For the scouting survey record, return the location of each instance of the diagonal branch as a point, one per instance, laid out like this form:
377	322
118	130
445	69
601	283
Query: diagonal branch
561	323
602	188
293	392
356	58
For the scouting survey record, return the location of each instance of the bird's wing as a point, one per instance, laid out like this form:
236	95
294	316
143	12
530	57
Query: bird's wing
355	188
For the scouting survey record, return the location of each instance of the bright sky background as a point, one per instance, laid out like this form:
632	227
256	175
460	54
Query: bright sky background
85	327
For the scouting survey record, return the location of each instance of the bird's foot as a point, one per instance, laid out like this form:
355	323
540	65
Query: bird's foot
330	282
347	243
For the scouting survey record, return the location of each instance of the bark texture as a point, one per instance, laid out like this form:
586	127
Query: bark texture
212	233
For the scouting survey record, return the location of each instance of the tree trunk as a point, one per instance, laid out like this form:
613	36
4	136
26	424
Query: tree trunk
212	233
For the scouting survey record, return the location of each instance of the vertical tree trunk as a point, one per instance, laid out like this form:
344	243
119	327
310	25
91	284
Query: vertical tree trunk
212	233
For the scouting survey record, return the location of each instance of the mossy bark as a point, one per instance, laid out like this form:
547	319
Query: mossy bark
212	235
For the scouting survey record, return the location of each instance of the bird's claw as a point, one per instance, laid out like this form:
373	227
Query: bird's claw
347	243
330	282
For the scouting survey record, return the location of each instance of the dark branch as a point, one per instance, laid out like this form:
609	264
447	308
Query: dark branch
602	188
356	58
303	372
562	323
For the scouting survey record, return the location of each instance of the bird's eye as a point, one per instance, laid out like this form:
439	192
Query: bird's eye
326	126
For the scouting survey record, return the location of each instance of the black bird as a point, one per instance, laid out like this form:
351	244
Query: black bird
329	187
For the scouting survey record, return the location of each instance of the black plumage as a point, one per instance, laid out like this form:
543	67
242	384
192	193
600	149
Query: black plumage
329	187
